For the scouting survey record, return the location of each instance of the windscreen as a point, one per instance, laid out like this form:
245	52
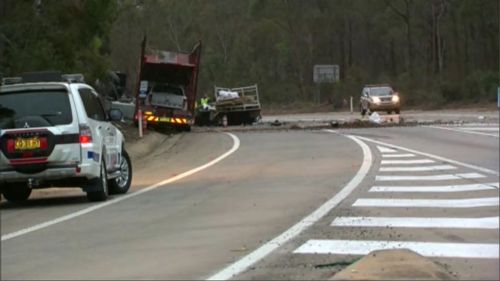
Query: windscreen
46	107
170	89
381	91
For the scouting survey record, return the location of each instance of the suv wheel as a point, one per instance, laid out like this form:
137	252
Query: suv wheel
16	192
100	185
121	184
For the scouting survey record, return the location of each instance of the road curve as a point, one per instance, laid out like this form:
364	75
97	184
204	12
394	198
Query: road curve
188	229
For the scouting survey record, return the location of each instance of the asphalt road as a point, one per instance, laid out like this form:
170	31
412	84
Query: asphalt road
254	207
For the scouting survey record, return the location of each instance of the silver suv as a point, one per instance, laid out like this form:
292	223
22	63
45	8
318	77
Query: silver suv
379	98
57	134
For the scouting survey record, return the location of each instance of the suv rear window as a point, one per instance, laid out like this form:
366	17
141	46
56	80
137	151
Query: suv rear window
36	108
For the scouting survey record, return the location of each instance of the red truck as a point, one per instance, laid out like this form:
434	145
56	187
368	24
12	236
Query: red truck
166	88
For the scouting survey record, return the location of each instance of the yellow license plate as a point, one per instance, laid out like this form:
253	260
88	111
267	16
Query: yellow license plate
27	144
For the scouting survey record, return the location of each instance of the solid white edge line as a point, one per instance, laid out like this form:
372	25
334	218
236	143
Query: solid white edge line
417	222
429	249
264	250
236	145
484	170
464	131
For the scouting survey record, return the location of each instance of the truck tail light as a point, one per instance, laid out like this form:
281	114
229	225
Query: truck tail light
85	134
10	145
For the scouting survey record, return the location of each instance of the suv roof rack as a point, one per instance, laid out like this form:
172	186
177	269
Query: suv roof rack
377	85
11	80
44	76
73	78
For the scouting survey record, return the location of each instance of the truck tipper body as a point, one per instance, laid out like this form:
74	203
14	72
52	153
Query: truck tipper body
237	106
166	90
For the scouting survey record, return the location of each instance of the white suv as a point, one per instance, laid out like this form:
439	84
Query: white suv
57	134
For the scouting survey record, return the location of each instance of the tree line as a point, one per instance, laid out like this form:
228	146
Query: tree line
432	51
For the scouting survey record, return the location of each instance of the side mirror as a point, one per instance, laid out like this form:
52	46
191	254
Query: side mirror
115	114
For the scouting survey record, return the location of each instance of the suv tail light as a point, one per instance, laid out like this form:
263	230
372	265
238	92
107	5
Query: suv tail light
85	134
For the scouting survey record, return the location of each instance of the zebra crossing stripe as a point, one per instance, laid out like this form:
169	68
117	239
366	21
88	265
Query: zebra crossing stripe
431	178
443	159
465	131
419	161
481	129
428	249
416	222
417	169
384	149
436	188
428	203
399	155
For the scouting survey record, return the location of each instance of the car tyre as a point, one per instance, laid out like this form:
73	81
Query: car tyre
16	193
121	184
99	186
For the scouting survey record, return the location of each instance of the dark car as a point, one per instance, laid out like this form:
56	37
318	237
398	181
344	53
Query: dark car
379	98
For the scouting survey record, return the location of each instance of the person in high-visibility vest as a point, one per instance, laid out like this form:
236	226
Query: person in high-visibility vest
204	102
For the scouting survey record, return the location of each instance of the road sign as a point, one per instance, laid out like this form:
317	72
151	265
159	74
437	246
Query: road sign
143	89
326	73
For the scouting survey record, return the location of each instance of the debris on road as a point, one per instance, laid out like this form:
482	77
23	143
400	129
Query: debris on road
401	264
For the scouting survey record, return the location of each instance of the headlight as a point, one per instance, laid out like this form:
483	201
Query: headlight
376	100
395	99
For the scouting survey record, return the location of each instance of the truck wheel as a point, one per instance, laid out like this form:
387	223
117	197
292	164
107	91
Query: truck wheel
99	186
363	112
16	193
121	184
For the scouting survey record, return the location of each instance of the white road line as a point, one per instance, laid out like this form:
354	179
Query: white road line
236	145
402	155
429	249
417	169
428	203
414	222
464	131
419	161
431	178
386	149
477	168
480	129
478	124
264	250
439	188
